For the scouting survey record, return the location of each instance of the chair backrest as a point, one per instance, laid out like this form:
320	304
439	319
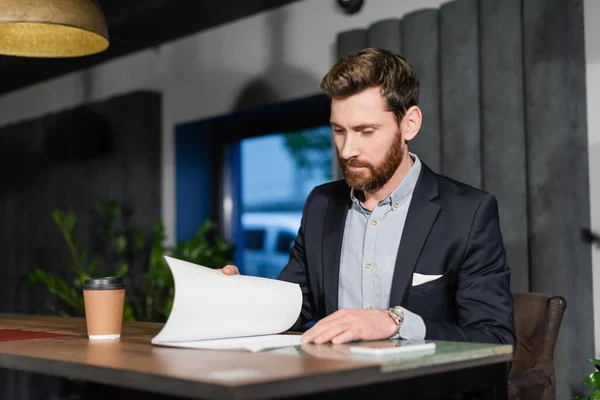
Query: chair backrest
537	321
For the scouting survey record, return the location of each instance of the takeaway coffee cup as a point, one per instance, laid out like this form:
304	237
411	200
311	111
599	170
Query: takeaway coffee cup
104	299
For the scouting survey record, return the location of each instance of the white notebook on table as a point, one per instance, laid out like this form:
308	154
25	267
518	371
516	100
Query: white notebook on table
215	311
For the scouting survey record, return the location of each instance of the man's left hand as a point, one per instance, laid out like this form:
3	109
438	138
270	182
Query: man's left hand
348	325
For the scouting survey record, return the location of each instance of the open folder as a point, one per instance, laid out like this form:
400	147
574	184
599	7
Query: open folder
212	310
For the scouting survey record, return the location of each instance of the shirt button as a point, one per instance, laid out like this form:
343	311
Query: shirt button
395	205
368	265
374	223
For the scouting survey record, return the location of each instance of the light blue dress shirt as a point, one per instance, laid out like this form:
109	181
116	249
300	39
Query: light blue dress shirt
369	249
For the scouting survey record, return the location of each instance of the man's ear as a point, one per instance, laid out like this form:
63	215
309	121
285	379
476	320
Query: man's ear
411	123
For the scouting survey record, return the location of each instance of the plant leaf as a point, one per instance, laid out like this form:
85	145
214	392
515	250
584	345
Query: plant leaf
123	270
128	314
139	239
57	217
69	221
121	244
58	287
593	380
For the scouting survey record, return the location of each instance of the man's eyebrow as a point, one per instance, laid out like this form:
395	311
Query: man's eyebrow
356	127
362	127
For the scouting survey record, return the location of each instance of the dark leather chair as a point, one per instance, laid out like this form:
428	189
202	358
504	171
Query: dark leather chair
537	322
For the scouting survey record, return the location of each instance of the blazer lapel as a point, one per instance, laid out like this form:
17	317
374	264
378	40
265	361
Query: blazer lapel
422	213
333	234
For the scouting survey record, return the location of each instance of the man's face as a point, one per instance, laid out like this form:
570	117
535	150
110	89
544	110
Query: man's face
368	138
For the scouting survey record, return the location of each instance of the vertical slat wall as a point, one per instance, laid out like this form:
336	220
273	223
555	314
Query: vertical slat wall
350	42
555	110
421	36
386	34
503	127
460	88
504	108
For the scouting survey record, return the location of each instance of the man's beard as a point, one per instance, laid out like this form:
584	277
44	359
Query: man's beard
374	177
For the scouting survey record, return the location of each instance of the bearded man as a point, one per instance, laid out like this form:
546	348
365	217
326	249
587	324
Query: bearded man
395	250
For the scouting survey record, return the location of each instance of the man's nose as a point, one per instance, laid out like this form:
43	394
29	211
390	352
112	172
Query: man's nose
349	148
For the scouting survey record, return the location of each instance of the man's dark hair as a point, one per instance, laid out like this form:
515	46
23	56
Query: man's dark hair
374	67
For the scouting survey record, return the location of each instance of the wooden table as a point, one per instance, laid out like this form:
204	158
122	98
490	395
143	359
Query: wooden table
303	371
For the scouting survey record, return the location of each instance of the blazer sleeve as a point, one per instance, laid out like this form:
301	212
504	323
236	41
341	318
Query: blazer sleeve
484	302
296	270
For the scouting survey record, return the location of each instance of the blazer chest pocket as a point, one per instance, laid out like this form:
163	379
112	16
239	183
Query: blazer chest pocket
430	285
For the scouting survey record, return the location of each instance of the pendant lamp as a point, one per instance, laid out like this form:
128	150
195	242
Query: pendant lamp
52	28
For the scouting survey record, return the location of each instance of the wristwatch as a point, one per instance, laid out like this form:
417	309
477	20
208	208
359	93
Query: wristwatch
397	314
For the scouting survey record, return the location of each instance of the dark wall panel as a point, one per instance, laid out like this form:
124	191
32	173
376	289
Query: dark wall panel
558	175
460	91
422	50
350	42
386	34
503	127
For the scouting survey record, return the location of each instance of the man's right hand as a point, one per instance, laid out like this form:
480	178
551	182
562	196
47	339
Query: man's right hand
230	270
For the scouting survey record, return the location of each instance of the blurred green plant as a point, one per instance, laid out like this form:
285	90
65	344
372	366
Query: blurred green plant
593	381
119	248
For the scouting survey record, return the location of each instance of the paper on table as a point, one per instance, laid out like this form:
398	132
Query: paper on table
252	343
210	305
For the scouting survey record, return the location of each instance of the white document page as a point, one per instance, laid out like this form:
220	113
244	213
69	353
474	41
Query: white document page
210	309
252	343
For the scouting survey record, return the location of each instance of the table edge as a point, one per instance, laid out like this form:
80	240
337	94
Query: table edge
356	377
147	381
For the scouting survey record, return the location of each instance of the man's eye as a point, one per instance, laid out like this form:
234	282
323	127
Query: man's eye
368	132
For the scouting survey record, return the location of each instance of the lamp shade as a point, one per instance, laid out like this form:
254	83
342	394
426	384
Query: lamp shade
52	28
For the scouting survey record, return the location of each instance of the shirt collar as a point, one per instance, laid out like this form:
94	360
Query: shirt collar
402	192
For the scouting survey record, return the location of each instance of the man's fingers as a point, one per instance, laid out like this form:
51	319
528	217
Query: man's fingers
230	270
332	332
315	331
346	336
322	327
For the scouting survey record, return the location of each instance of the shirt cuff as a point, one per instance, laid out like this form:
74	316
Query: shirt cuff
413	327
